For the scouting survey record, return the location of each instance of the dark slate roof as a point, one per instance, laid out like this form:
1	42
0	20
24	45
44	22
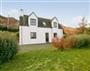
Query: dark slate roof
60	26
42	22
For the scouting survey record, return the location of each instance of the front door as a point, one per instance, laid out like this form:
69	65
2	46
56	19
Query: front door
47	37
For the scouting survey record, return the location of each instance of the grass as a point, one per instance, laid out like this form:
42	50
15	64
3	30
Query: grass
45	58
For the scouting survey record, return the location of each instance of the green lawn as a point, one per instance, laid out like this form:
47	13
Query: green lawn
45	58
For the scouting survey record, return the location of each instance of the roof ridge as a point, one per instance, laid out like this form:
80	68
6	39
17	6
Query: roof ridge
44	18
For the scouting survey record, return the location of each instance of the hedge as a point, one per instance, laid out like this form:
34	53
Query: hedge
9	29
82	40
8	46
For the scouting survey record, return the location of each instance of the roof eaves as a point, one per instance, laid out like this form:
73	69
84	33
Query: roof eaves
33	13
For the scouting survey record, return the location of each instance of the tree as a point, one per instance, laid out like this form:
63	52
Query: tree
82	25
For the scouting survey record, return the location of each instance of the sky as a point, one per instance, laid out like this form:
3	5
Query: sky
68	12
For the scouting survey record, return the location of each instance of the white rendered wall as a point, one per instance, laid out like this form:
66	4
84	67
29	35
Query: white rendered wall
24	32
54	20
40	35
58	31
55	29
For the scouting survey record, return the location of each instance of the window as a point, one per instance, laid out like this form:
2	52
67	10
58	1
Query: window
33	35
44	23
55	24
33	22
55	34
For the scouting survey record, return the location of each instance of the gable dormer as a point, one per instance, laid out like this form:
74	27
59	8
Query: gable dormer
33	20
54	22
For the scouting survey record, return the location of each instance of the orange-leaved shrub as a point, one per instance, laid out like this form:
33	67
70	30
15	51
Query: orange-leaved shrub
72	41
55	42
58	43
69	42
64	42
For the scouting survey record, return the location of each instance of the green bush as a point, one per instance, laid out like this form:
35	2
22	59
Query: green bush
87	30
82	40
76	41
9	29
8	46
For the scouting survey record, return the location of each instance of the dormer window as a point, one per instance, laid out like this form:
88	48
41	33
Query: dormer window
33	22
44	23
55	24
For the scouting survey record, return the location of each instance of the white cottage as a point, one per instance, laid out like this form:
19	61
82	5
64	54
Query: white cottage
37	30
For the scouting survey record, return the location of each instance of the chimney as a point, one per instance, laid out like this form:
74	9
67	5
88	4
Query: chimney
22	18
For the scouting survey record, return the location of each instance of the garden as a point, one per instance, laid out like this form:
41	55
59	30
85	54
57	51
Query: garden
45	58
75	55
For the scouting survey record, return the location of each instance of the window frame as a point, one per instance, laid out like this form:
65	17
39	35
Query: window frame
32	21
55	24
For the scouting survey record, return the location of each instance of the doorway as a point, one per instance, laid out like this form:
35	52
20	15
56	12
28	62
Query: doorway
47	37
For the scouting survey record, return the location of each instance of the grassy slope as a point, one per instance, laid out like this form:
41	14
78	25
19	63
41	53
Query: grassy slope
39	58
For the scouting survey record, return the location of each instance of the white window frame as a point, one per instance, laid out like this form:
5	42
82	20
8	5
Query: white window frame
55	24
32	21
